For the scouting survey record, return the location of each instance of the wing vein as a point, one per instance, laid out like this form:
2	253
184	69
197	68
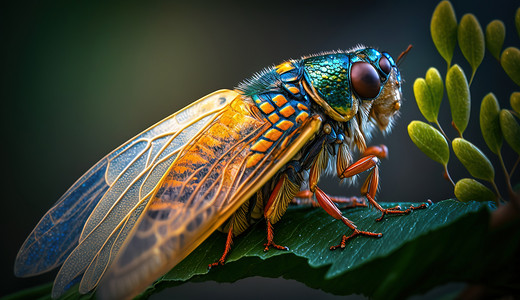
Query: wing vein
195	192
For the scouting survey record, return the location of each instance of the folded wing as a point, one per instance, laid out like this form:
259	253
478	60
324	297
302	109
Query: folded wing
82	228
212	177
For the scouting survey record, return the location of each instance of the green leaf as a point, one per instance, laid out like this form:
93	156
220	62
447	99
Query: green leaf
490	122
468	189
495	36
510	129
424	100
459	96
428	94
471	41
404	262
436	85
430	141
443	28
384	268
473	159
514	100
510	61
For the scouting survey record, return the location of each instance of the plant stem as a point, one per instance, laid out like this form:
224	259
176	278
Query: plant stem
454	126
447	175
514	167
507	175
442	131
472	76
497	200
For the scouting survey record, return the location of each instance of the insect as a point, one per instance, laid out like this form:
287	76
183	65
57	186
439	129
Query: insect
227	160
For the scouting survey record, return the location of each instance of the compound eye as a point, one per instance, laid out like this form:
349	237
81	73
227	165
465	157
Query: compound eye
365	80
385	65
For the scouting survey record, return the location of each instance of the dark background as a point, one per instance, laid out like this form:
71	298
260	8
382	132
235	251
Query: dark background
81	79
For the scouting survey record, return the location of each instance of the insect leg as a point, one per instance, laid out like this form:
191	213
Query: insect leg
369	188
349	202
326	202
305	197
328	205
270	236
380	151
286	188
229	242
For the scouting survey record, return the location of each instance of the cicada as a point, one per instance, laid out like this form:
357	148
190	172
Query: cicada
224	162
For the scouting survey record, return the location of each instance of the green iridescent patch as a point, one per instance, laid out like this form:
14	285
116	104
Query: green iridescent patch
329	75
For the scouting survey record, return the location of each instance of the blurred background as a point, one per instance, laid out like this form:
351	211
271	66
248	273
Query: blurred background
79	79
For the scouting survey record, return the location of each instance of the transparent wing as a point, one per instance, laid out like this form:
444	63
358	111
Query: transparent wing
117	183
211	178
58	231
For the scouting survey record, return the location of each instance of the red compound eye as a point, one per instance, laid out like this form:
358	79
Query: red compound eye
385	65
365	80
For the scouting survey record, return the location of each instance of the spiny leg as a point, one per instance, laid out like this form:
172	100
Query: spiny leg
270	236
328	205
284	191
349	202
229	242
369	188
396	209
305	197
319	164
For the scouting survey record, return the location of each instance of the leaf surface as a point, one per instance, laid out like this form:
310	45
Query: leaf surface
459	96
495	36
384	268
443	28
490	122
430	141
471	41
417	252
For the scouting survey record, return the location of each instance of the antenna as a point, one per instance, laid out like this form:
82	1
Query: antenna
403	54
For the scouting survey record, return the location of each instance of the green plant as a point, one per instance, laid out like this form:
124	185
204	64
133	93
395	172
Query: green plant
496	124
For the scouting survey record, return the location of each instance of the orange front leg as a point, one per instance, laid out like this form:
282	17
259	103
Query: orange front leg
369	188
380	151
329	206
